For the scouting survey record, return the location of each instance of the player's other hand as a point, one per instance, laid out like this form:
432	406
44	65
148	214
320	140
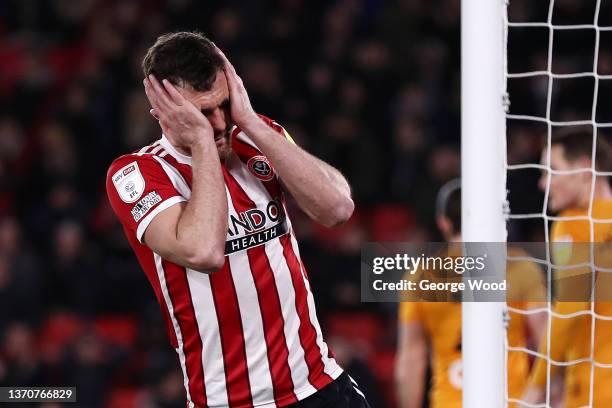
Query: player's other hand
240	106
182	123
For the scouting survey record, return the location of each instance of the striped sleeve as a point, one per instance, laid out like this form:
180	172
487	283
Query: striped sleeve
138	190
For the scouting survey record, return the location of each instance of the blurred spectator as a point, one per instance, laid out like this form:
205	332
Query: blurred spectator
22	284
89	364
19	360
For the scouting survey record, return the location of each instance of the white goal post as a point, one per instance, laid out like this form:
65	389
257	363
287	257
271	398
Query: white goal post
483	175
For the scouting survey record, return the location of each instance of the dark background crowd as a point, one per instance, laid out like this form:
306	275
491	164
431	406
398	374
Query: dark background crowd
371	86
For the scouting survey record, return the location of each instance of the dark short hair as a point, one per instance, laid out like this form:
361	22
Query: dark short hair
186	59
578	144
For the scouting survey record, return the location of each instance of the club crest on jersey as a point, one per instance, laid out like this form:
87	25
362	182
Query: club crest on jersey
261	168
129	183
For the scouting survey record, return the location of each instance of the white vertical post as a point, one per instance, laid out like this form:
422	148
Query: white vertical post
483	159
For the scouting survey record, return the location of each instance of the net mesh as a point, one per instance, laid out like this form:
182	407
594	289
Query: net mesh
540	67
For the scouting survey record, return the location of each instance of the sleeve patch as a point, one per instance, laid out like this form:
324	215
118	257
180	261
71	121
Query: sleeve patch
129	183
143	206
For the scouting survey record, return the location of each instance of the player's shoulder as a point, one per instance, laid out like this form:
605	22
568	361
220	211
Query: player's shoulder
242	142
144	156
271	122
125	176
135	168
237	131
129	162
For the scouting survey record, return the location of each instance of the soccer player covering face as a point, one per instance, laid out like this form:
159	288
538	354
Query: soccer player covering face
430	331
575	197
203	208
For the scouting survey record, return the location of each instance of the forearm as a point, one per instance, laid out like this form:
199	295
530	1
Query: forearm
202	227
410	380
319	189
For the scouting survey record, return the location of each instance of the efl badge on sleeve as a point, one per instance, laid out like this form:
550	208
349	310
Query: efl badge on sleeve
129	183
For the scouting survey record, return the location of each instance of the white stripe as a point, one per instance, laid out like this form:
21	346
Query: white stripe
359	392
175	176
245	139
356	387
144	149
282	276
286	293
330	366
175	325
260	375
144	223
181	158
212	353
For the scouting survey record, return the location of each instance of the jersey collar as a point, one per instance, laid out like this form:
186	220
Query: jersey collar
180	157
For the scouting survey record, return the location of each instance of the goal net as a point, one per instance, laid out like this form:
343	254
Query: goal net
532	73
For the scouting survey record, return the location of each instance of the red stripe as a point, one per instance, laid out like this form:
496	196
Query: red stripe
232	338
184	170
244	150
180	296
269	306
278	128
151	147
308	334
160	152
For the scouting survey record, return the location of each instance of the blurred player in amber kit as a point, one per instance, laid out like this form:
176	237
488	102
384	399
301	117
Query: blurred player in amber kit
203	208
432	330
584	207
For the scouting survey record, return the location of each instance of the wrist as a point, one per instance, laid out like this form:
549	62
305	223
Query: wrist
251	123
202	141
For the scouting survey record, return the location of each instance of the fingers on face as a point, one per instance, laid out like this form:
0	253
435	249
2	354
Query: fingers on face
154	97
163	99
174	94
151	96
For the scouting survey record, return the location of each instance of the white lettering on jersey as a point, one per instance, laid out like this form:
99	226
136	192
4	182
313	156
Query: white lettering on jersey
129	182
143	206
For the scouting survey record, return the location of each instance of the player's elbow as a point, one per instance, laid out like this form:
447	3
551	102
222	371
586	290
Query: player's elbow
208	261
341	213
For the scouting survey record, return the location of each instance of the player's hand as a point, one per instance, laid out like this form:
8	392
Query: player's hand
240	106
182	123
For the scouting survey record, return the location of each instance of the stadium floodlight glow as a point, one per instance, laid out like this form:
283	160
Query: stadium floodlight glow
483	193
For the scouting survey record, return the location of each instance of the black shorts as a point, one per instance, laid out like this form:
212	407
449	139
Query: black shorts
343	392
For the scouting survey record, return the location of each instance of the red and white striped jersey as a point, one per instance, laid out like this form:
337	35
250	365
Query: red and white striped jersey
246	335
